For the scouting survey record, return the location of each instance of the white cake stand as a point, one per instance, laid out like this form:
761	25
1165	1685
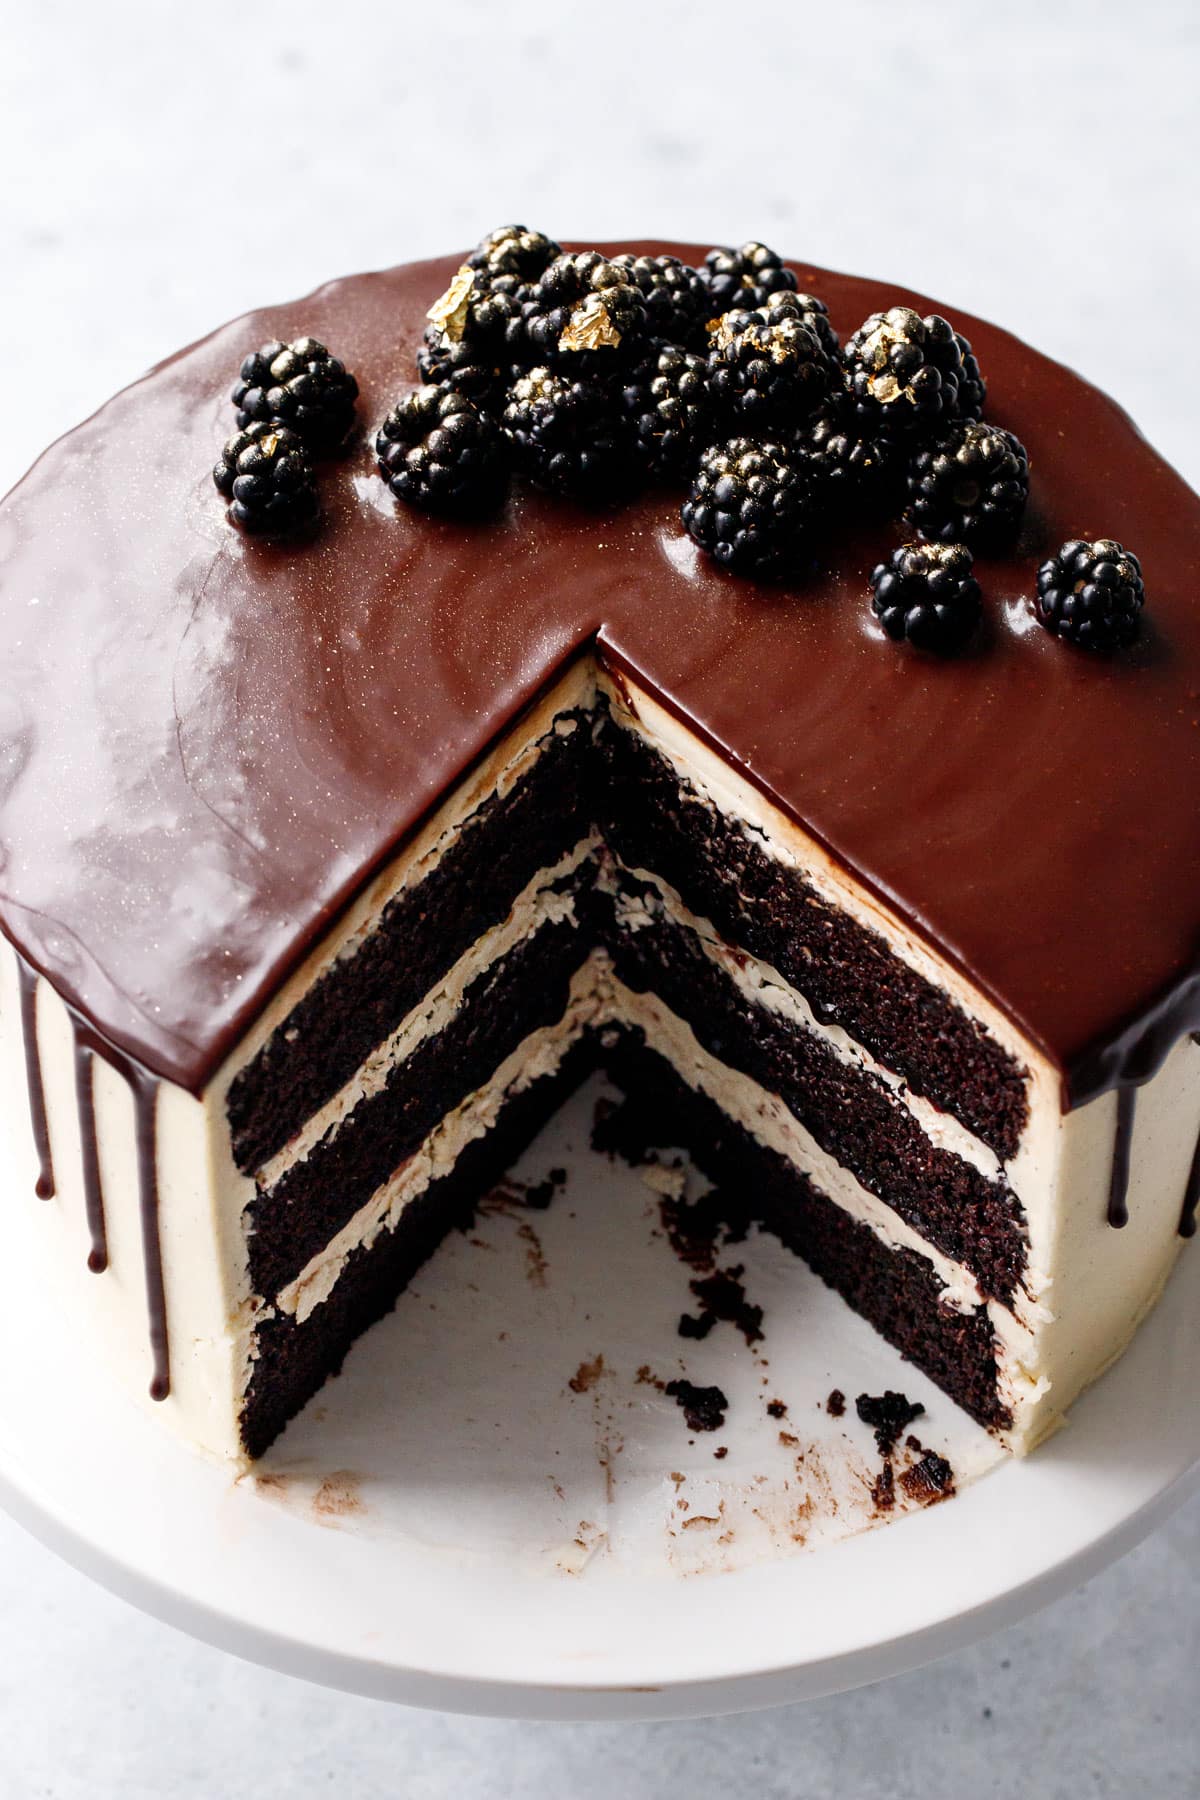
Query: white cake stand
453	1524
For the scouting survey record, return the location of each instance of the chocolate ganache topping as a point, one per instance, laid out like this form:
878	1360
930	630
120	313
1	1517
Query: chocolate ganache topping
208	742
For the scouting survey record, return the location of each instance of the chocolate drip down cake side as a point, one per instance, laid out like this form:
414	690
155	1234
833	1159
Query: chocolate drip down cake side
719	672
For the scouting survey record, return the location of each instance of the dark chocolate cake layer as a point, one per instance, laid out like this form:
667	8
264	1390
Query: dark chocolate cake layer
294	1360
208	744
848	974
850	1114
317	1196
598	775
420	934
895	1290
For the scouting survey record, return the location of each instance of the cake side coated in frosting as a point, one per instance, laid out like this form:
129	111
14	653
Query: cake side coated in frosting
209	744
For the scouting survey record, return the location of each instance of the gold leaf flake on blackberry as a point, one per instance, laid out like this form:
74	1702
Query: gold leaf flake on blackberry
809	310
474	334
514	250
914	373
590	327
583	310
771	376
451	310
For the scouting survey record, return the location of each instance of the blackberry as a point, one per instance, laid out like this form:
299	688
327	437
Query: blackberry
584	306
752	508
1092	594
568	435
809	310
969	486
669	403
768	376
927	594
481	378
745	278
476	308
436	450
473	334
677	303
265	474
302	386
912	374
855	463
514	250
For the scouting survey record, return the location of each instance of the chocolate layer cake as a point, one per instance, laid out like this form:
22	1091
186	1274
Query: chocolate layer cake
331	866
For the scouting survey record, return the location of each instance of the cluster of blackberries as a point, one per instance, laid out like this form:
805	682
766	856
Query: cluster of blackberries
586	375
591	376
1091	594
295	402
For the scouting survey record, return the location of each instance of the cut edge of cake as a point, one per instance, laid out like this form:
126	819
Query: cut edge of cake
586	939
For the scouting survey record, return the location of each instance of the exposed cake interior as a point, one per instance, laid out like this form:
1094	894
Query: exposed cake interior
604	890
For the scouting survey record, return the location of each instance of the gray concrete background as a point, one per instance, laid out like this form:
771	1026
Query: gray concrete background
165	168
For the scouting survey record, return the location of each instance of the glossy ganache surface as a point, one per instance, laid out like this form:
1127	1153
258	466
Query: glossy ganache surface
208	743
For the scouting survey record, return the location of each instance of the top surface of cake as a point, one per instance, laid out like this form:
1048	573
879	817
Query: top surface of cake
207	742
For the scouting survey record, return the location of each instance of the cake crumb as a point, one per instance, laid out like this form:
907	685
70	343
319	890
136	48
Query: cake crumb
540	1195
722	1297
884	1491
930	1480
586	1376
693	1228
721	1452
704	1408
777	1409
889	1415
835	1406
